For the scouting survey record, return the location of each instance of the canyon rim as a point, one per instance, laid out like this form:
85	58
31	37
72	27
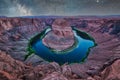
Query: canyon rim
15	33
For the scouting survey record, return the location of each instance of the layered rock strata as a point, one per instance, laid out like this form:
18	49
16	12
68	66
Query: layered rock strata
11	69
61	36
15	34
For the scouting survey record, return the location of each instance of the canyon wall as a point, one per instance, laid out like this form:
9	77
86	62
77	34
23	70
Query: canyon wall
15	34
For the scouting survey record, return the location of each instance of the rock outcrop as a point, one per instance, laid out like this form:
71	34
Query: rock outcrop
61	36
15	34
11	69
111	72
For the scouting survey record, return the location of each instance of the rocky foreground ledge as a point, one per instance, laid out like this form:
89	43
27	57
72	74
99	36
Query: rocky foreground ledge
11	69
102	63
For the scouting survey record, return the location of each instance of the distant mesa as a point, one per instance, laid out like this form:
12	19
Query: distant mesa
60	37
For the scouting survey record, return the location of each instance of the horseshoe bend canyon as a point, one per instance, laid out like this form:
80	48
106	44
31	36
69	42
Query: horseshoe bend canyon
102	62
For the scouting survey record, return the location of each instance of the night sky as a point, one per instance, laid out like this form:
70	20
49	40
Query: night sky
59	7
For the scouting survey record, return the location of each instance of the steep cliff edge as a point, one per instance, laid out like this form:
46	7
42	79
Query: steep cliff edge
16	32
11	69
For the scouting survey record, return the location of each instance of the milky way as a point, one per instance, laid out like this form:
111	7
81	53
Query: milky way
59	7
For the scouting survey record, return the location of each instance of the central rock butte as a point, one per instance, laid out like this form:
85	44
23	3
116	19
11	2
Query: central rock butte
61	36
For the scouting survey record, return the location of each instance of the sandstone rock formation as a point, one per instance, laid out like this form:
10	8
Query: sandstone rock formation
105	30
111	72
60	37
11	69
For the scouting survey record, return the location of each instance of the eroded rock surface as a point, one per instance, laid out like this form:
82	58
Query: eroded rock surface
60	37
15	34
111	72
11	69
